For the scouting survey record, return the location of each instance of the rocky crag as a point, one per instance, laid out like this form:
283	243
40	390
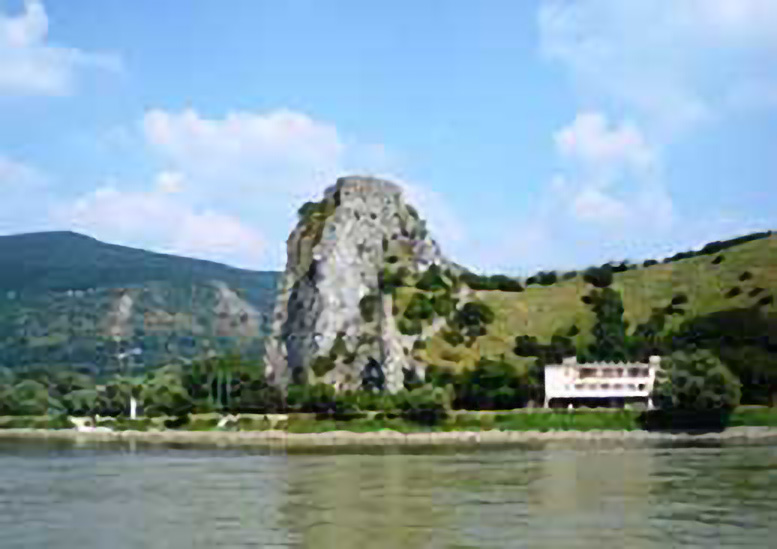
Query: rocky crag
340	318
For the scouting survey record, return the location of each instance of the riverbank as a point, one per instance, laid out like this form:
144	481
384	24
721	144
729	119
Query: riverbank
284	440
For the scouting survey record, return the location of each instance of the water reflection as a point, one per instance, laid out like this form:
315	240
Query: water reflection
541	496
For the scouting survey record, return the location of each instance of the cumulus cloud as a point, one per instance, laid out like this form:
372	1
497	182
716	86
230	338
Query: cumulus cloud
25	196
238	177
162	222
607	197
610	172
675	64
16	175
250	153
30	65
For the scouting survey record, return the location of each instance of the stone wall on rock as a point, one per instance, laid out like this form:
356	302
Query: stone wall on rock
333	322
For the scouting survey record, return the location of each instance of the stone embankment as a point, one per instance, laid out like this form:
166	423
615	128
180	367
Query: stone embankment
285	440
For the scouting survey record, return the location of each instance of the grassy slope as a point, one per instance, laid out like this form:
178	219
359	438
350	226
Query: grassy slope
542	311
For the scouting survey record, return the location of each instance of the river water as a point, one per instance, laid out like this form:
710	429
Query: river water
550	495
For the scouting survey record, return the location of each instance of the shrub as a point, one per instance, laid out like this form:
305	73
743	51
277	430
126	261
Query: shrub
505	283
601	277
766	300
420	307
339	347
718	260
427	404
391	280
491	385
733	292
432	280
696	381
475	313
526	346
755	291
547	278
453	337
321	365
407	326
316	398
368	305
443	304
747	275
569	275
81	402
649	263
679	299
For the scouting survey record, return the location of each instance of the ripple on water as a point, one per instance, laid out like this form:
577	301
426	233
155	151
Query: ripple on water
540	496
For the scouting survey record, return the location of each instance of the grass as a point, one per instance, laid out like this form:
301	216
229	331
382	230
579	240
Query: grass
543	311
535	420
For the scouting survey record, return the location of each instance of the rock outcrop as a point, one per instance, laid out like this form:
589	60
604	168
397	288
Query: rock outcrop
334	321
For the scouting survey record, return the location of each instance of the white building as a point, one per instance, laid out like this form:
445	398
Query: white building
570	383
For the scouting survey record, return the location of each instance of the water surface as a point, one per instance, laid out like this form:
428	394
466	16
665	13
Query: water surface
551	495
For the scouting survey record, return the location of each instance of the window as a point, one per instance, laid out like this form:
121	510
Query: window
618	386
635	372
607	372
619	372
587	372
641	386
605	386
632	387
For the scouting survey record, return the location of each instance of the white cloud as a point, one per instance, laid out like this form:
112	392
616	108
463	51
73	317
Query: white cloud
607	199
224	180
250	153
15	175
163	222
169	182
673	63
29	65
591	141
25	195
610	173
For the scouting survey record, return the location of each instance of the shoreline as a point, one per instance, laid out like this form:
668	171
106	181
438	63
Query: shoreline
280	439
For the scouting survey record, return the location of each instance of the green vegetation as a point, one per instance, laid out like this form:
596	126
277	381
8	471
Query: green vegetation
666	307
696	381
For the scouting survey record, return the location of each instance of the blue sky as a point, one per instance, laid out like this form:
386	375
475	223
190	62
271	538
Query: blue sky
547	134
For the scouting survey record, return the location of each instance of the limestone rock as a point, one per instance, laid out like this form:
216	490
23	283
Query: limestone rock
333	322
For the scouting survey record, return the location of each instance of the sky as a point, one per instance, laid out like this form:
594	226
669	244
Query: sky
548	134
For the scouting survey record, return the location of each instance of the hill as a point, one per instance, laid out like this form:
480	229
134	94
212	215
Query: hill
70	301
733	289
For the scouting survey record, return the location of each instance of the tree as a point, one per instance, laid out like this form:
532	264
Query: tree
473	317
610	330
491	385
428	405
164	393
432	279
81	402
696	381
26	398
420	307
601	277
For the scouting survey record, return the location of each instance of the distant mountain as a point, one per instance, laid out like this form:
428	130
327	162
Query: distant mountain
70	301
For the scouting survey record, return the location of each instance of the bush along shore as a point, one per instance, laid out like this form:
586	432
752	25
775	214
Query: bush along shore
225	399
378	429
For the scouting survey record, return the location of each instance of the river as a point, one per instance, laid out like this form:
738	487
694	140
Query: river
546	495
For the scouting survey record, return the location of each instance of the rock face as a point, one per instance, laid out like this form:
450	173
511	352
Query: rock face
333	321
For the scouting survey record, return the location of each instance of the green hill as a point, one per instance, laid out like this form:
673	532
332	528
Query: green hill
70	301
727	295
